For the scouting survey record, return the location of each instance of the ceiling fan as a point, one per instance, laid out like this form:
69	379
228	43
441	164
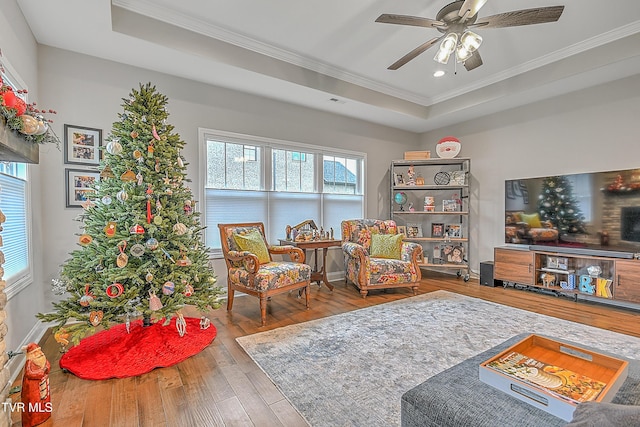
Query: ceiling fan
454	22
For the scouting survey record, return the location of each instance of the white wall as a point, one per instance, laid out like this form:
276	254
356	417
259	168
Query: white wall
87	91
19	49
591	130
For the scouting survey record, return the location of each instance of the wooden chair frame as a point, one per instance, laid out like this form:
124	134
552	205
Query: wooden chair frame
252	265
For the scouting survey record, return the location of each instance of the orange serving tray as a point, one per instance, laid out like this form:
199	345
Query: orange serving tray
598	367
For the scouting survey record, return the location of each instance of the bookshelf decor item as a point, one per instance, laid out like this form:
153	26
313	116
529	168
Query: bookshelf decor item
414	230
437	229
450	205
554	376
454	231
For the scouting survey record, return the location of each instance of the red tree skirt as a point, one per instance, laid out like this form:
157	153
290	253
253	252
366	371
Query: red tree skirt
114	353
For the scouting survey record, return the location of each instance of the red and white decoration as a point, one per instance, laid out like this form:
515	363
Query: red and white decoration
448	147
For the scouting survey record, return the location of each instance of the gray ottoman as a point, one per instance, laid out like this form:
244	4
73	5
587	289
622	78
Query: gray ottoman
457	397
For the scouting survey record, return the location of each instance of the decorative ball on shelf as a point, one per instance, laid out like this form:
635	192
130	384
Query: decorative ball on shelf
448	147
442	178
29	124
400	198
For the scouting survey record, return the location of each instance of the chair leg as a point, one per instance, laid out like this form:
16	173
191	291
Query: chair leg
263	309
307	293
364	293
230	293
415	290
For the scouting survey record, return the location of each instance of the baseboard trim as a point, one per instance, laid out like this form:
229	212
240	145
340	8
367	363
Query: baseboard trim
17	362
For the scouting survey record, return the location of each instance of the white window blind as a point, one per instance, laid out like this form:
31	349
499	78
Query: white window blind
14	234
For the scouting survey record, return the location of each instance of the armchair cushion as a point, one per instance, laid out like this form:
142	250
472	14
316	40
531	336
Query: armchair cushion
386	246
272	275
252	241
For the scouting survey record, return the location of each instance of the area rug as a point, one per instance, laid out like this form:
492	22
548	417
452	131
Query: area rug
116	353
352	369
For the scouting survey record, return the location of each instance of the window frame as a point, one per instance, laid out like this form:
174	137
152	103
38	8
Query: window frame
268	144
23	278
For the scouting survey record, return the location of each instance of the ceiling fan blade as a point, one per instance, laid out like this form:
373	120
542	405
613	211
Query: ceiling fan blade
469	8
415	21
474	62
415	52
517	18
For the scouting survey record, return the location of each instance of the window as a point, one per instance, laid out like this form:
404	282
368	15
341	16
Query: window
14	189
281	183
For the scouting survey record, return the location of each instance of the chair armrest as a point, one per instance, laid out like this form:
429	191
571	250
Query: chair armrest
249	261
296	254
547	224
411	252
354	250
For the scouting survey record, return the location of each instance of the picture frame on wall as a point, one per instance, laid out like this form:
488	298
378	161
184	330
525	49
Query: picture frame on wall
82	145
78	185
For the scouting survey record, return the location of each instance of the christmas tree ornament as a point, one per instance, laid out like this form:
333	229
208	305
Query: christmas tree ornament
154	132
137	250
136	229
157	220
122	196
166	180
149	214
181	325
184	261
157	166
148	277
128	176
106	173
85	239
114	147
62	337
99	268
180	162
168	192
168	288
86	299
95	317
139	178
188	210
123	259
180	229
205	323
150	149
134	134
87	204
58	287
127	324
154	302
152	244
168	255
188	290
110	229
114	290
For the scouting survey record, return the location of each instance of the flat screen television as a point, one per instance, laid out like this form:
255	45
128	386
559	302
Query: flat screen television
580	213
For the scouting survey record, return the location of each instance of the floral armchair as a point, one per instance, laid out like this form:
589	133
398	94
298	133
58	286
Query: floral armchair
251	269
369	265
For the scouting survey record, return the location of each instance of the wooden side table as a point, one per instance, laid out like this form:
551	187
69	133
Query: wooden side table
319	274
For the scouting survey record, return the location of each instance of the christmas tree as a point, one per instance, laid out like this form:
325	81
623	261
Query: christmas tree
140	247
557	204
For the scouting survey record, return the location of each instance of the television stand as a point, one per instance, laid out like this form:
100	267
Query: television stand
583	276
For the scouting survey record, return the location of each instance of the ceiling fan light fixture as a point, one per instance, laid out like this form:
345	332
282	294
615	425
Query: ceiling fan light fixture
470	41
447	47
462	54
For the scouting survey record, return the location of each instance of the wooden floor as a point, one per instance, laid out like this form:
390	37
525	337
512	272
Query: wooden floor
221	386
